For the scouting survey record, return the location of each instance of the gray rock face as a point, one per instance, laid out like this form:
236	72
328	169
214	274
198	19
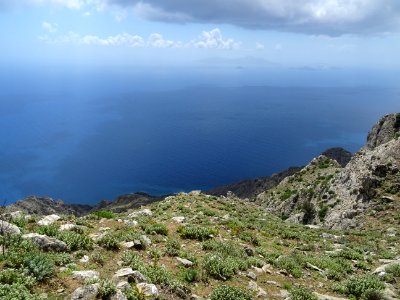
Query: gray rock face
8	228
46	243
87	292
384	131
357	183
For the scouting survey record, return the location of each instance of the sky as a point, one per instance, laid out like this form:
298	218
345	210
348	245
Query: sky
317	34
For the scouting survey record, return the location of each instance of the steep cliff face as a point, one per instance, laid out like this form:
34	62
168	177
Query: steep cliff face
325	193
385	130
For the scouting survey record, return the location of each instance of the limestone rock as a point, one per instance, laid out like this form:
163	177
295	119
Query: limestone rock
118	296
127	274
85	275
384	266
143	212
178	219
185	262
327	297
46	243
65	227
149	291
48	220
87	292
8	228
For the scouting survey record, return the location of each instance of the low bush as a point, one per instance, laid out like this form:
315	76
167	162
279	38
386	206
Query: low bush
365	287
39	266
157	228
194	232
226	292
109	242
75	241
301	293
104	214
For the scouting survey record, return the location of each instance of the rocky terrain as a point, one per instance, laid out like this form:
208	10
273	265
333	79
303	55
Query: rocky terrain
328	231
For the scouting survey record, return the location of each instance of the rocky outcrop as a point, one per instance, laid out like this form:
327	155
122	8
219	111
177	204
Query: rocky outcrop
48	206
385	130
341	155
8	228
250	188
46	243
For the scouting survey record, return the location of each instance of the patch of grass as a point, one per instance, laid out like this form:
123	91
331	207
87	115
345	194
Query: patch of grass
226	292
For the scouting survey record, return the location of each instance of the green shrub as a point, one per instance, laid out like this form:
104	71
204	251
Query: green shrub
109	241
189	275
368	287
39	266
291	265
226	292
16	291
61	259
393	270
104	214
301	293
133	260
157	228
98	258
249	237
107	289
172	247
49	230
323	212
13	276
195	232
221	267
75	241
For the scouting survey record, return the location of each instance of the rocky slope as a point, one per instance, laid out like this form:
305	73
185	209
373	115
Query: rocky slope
324	192
194	246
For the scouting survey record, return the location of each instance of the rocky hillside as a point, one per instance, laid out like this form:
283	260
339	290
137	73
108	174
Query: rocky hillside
325	193
193	246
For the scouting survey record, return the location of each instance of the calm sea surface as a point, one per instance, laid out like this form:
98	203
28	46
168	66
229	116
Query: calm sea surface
86	139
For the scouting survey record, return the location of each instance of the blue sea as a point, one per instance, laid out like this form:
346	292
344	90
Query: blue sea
84	135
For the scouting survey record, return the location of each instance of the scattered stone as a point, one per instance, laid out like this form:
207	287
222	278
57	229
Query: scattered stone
327	297
267	269
258	270
123	285
252	275
87	292
149	291
383	267
118	296
311	266
145	239
132	223
312	226
48	220
388	293
9	228
178	219
271	282
185	262
46	243
195	297
84	259
85	275
16	214
143	212
65	227
329	236
260	293
128	245
127	274
284	294
388	198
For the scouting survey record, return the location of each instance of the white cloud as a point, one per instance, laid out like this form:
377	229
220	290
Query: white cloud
207	40
214	40
71	4
51	28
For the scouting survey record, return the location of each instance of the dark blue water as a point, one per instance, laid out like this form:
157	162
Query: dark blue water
85	137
